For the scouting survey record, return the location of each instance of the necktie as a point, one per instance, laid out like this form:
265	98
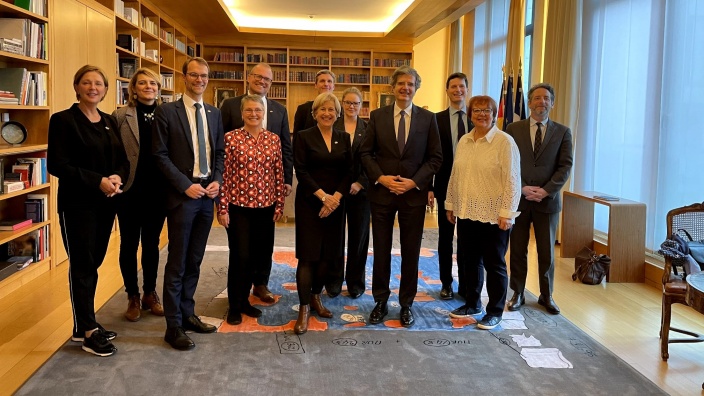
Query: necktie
538	139
460	125
402	133
202	156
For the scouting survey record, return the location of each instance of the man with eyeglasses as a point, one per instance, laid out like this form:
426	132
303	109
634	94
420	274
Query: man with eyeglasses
400	154
190	155
259	82
453	123
546	163
303	119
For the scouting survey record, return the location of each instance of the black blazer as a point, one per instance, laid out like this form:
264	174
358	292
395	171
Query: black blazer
442	178
80	160
316	167
303	119
172	147
420	160
358	174
276	122
550	169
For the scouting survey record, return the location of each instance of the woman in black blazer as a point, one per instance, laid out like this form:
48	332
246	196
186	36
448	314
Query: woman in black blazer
356	205
322	157
140	210
87	155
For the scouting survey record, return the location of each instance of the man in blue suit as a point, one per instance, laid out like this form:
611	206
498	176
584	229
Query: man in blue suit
188	144
258	82
400	153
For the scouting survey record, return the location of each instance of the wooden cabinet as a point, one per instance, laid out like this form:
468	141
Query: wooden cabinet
294	70
35	119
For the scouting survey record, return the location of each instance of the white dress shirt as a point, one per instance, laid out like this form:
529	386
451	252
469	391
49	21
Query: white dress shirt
406	118
485	182
191	113
534	130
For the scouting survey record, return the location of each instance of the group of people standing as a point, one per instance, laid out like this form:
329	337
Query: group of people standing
149	162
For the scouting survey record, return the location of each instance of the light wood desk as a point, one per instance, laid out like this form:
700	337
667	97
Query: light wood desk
626	239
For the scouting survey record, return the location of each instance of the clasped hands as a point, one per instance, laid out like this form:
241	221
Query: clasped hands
196	191
110	186
331	203
397	184
503	223
534	193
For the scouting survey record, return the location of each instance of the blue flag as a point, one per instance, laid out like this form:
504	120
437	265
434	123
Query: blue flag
508	109
519	111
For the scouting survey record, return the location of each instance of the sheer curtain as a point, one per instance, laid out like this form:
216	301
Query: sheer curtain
641	78
490	27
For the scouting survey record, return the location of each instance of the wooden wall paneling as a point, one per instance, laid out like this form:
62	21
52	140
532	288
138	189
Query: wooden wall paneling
99	34
68	29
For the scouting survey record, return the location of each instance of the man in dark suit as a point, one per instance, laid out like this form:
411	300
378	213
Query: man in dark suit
400	153
188	145
453	123
276	121
303	119
546	162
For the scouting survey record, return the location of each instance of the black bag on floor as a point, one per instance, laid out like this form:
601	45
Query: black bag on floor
589	267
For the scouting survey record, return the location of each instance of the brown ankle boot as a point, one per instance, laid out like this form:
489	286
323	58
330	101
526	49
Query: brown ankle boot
302	322
151	301
133	313
317	305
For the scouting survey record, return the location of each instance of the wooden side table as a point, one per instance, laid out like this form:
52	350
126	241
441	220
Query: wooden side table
626	240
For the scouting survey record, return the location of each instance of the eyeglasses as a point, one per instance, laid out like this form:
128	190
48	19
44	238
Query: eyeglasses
253	111
481	111
259	77
196	75
353	104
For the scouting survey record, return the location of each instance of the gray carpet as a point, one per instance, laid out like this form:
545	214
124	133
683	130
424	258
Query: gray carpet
357	361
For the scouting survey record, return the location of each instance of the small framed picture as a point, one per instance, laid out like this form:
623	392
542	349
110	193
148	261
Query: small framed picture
223	93
386	99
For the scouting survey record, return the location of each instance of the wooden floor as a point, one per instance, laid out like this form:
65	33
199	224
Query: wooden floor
36	320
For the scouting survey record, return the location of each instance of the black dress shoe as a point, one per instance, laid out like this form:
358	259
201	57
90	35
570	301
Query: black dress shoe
377	315
234	318
515	303
251	311
407	319
549	304
446	293
194	324
355	294
177	338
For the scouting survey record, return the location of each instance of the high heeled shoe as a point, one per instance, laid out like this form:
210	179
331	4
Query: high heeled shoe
301	325
317	305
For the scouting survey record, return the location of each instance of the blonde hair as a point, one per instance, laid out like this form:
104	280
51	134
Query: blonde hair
326	97
132	101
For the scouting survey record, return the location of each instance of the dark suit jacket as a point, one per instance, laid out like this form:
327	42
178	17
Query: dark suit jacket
303	119
276	122
172	146
442	178
358	174
420	160
550	169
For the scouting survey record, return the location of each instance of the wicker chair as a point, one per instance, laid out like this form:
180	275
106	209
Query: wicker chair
690	218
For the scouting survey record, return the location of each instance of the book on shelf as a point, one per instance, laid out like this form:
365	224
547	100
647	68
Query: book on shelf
23	170
20	262
12	186
131	15
14	225
127	67
29	244
33	210
128	42
15	46
36	6
44	204
37	168
31	34
12	79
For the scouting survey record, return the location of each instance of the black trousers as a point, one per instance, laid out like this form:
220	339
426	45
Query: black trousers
446	233
483	247
410	221
85	233
310	278
250	237
545	228
189	225
141	218
358	218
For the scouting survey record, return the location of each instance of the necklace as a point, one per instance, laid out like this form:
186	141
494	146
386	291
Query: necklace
149	117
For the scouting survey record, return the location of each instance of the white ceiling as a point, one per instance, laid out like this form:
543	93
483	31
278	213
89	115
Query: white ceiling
360	16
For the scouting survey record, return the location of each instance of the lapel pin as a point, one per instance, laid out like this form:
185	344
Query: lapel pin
335	142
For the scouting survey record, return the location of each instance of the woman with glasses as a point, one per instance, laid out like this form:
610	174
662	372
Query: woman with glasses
482	197
322	158
356	205
140	209
251	201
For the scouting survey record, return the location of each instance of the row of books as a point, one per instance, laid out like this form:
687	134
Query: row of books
391	62
277	91
353	78
31	34
167	81
26	249
268	58
23	87
36	6
123	93
167	36
228	57
351	62
25	172
227	74
180	45
150	26
128	42
308	60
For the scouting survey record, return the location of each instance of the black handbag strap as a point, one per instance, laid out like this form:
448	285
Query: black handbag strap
686	233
